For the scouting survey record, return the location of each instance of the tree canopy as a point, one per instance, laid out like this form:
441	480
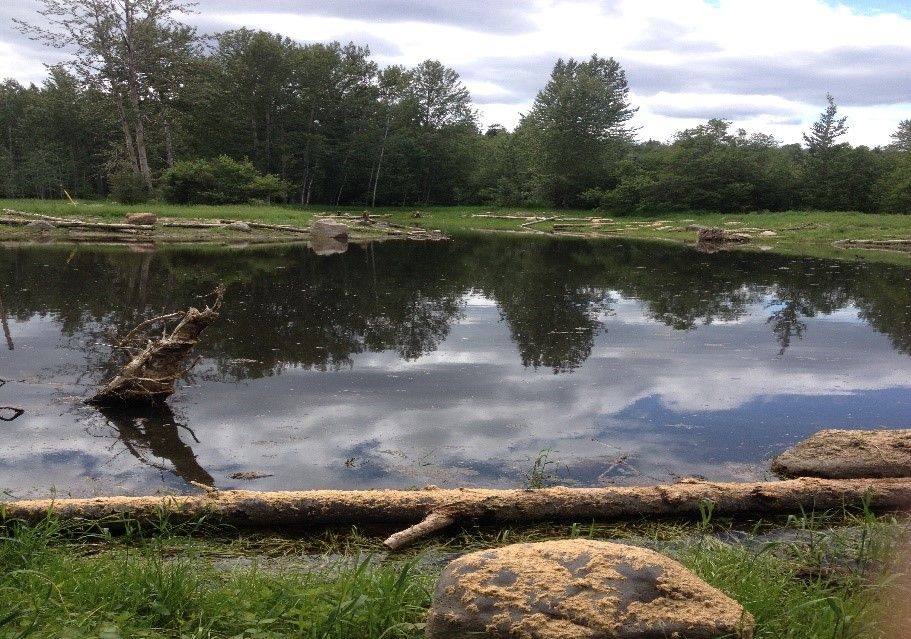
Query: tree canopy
146	103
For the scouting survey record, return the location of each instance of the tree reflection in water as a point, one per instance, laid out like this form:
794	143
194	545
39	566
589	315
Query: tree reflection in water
617	321
152	434
287	307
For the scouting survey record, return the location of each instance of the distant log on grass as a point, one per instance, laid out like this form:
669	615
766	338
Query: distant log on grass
717	235
151	373
427	511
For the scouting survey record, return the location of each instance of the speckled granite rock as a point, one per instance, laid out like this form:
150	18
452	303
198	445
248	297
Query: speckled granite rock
848	454
579	589
328	228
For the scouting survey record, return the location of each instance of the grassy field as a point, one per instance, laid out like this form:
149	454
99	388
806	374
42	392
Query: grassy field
792	229
825	577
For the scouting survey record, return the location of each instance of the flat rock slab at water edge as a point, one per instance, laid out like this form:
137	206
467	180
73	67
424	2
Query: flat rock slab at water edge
579	589
848	454
328	228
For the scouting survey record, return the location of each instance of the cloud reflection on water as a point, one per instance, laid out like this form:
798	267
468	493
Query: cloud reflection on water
463	374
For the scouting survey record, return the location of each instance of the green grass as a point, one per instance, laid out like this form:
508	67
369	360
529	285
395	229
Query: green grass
829	579
793	227
57	584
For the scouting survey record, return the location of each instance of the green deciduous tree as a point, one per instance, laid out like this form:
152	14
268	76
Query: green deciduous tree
220	180
892	192
580	124
130	50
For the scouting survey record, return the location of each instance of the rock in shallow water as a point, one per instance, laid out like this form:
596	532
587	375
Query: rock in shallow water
328	228
848	454
577	589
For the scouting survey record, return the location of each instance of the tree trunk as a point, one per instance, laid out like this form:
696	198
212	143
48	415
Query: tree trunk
439	507
379	163
151	375
141	153
127	135
168	143
135	101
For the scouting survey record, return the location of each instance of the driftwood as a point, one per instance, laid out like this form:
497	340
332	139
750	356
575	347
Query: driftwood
14	412
77	224
427	511
718	235
151	374
390	229
225	223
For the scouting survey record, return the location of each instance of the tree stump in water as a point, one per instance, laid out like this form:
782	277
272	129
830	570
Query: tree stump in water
151	374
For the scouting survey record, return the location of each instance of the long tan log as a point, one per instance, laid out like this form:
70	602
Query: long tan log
225	223
77	224
327	507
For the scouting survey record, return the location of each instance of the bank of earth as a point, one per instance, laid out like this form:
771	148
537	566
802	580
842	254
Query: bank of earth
879	237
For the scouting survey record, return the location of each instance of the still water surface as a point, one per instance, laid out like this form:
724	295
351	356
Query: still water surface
403	364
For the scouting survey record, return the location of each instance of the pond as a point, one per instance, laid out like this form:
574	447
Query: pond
402	364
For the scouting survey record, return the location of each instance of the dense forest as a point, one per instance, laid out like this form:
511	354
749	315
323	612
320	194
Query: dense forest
149	108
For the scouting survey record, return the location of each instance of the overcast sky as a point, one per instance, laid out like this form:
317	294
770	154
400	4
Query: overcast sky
765	64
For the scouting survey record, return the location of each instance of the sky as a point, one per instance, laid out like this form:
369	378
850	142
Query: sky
766	65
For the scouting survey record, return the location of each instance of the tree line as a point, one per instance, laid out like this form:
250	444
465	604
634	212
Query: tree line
147	107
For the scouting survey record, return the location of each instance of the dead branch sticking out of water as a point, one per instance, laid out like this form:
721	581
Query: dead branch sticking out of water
5	324
13	413
151	374
427	511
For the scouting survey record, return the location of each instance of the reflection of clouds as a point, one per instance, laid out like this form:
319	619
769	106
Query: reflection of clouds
470	413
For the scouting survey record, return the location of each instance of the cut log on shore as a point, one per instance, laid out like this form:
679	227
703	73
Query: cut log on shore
427	511
76	224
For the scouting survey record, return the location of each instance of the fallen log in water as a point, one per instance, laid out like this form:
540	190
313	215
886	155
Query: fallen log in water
151	374
427	511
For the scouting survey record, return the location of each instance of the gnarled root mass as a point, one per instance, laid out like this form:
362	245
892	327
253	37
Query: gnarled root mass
428	511
152	373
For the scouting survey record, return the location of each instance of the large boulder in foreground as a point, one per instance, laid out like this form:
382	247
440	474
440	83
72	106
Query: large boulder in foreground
848	454
328	228
579	589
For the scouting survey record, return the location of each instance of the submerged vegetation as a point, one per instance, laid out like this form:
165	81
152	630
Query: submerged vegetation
819	576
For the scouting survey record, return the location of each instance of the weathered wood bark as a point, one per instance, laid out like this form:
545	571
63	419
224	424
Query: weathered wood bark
339	507
76	224
127	134
434	522
151	375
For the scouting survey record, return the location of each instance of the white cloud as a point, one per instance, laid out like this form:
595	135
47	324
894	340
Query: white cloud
15	63
698	58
